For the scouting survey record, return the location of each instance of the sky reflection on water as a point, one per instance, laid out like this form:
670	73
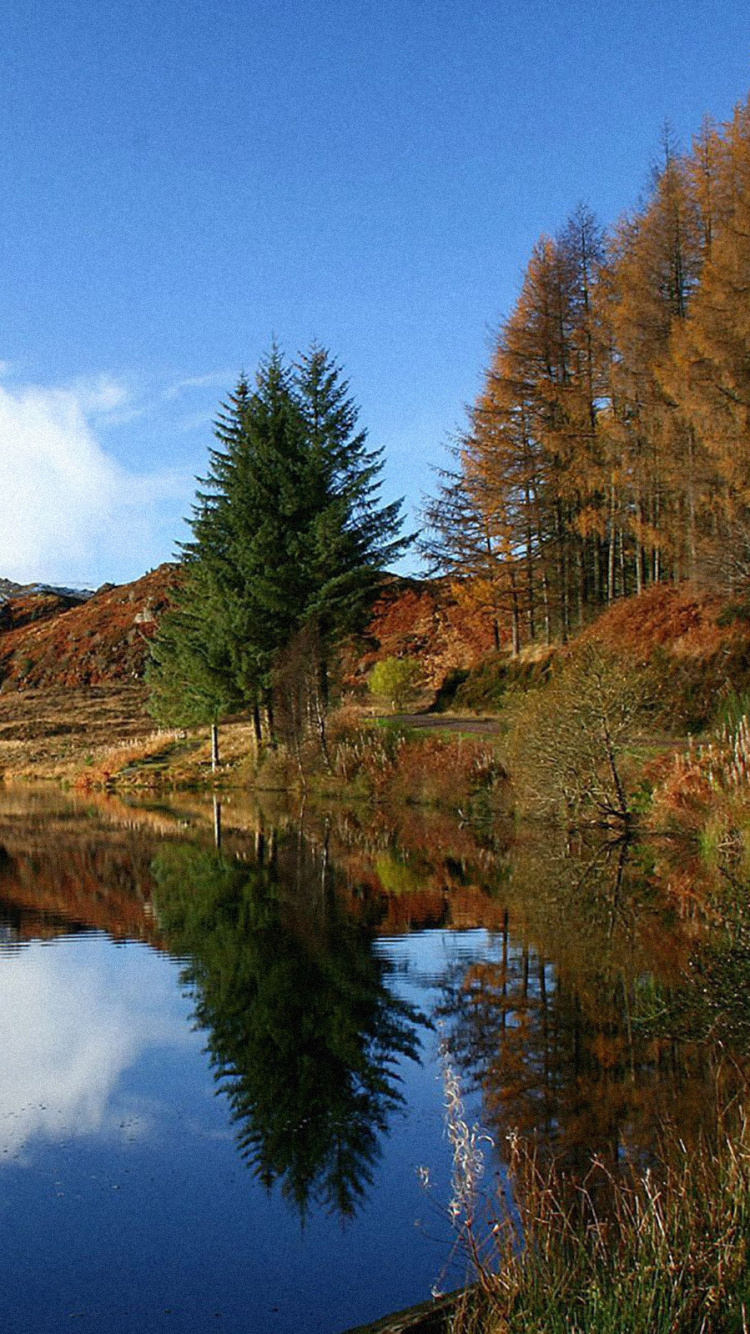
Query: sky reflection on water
221	1070
123	1201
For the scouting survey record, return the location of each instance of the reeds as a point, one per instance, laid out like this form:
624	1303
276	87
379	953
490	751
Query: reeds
414	768
705	790
647	1252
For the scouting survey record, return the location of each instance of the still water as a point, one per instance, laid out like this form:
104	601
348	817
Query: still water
221	1073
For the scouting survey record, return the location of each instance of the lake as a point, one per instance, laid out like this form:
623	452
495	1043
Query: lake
222	1087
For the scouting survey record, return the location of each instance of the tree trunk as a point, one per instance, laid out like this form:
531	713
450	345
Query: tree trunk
611	552
322	708
270	726
515	619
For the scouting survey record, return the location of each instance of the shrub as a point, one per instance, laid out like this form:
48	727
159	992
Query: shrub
567	740
704	791
397	680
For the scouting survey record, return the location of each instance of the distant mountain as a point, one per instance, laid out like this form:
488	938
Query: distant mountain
9	589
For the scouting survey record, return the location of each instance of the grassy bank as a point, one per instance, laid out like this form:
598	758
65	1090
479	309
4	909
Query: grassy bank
103	738
663	1252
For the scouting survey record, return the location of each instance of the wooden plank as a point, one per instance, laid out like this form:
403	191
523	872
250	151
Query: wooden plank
430	1317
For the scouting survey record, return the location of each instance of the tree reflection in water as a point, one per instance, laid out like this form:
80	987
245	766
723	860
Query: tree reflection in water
604	1017
303	1031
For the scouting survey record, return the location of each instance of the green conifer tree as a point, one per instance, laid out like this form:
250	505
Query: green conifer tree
350	537
289	537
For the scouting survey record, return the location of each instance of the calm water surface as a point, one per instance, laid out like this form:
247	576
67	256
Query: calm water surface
221	1073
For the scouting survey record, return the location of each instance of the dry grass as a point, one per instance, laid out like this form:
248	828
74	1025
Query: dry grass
407	767
644	1253
101	736
704	791
52	734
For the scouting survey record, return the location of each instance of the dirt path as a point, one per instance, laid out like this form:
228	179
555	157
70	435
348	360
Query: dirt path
445	722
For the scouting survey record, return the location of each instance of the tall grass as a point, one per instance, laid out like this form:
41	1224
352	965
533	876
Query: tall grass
648	1252
705	790
404	767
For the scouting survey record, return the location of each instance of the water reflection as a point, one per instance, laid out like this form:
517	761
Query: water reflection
72	1022
303	1031
606	1012
609	1001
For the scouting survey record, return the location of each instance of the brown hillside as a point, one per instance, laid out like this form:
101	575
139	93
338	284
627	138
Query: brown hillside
423	619
675	618
30	607
101	641
48	641
698	641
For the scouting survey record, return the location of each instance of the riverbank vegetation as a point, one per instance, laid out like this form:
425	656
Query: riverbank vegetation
655	1252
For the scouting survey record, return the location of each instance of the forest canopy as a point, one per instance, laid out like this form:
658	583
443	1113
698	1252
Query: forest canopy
609	447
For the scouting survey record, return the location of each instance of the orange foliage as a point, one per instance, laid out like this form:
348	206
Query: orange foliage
679	618
427	620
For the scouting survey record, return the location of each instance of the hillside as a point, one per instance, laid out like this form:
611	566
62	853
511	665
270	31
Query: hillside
49	640
697	642
422	619
73	699
701	641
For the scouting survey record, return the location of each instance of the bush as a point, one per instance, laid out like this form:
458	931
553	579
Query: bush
397	680
567	740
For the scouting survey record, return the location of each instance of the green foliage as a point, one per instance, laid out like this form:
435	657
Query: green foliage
397	680
191	672
732	709
397	874
733	613
288	533
486	688
303	1031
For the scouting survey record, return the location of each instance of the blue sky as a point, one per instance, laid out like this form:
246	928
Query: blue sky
186	181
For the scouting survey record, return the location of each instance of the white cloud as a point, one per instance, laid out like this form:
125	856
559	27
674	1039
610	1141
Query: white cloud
69	1032
214	380
71	512
101	395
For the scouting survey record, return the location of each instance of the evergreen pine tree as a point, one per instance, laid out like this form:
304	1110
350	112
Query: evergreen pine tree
289	537
350	537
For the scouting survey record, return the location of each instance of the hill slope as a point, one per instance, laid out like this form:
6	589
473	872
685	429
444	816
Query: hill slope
49	641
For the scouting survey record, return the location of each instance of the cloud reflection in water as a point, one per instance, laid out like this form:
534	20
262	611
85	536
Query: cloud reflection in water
71	1027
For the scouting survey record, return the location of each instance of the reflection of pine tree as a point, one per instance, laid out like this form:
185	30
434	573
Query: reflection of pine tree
304	1034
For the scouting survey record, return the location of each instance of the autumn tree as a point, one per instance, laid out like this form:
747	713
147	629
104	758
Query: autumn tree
523	505
708	372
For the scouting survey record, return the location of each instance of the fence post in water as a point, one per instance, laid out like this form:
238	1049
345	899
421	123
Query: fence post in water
217	822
